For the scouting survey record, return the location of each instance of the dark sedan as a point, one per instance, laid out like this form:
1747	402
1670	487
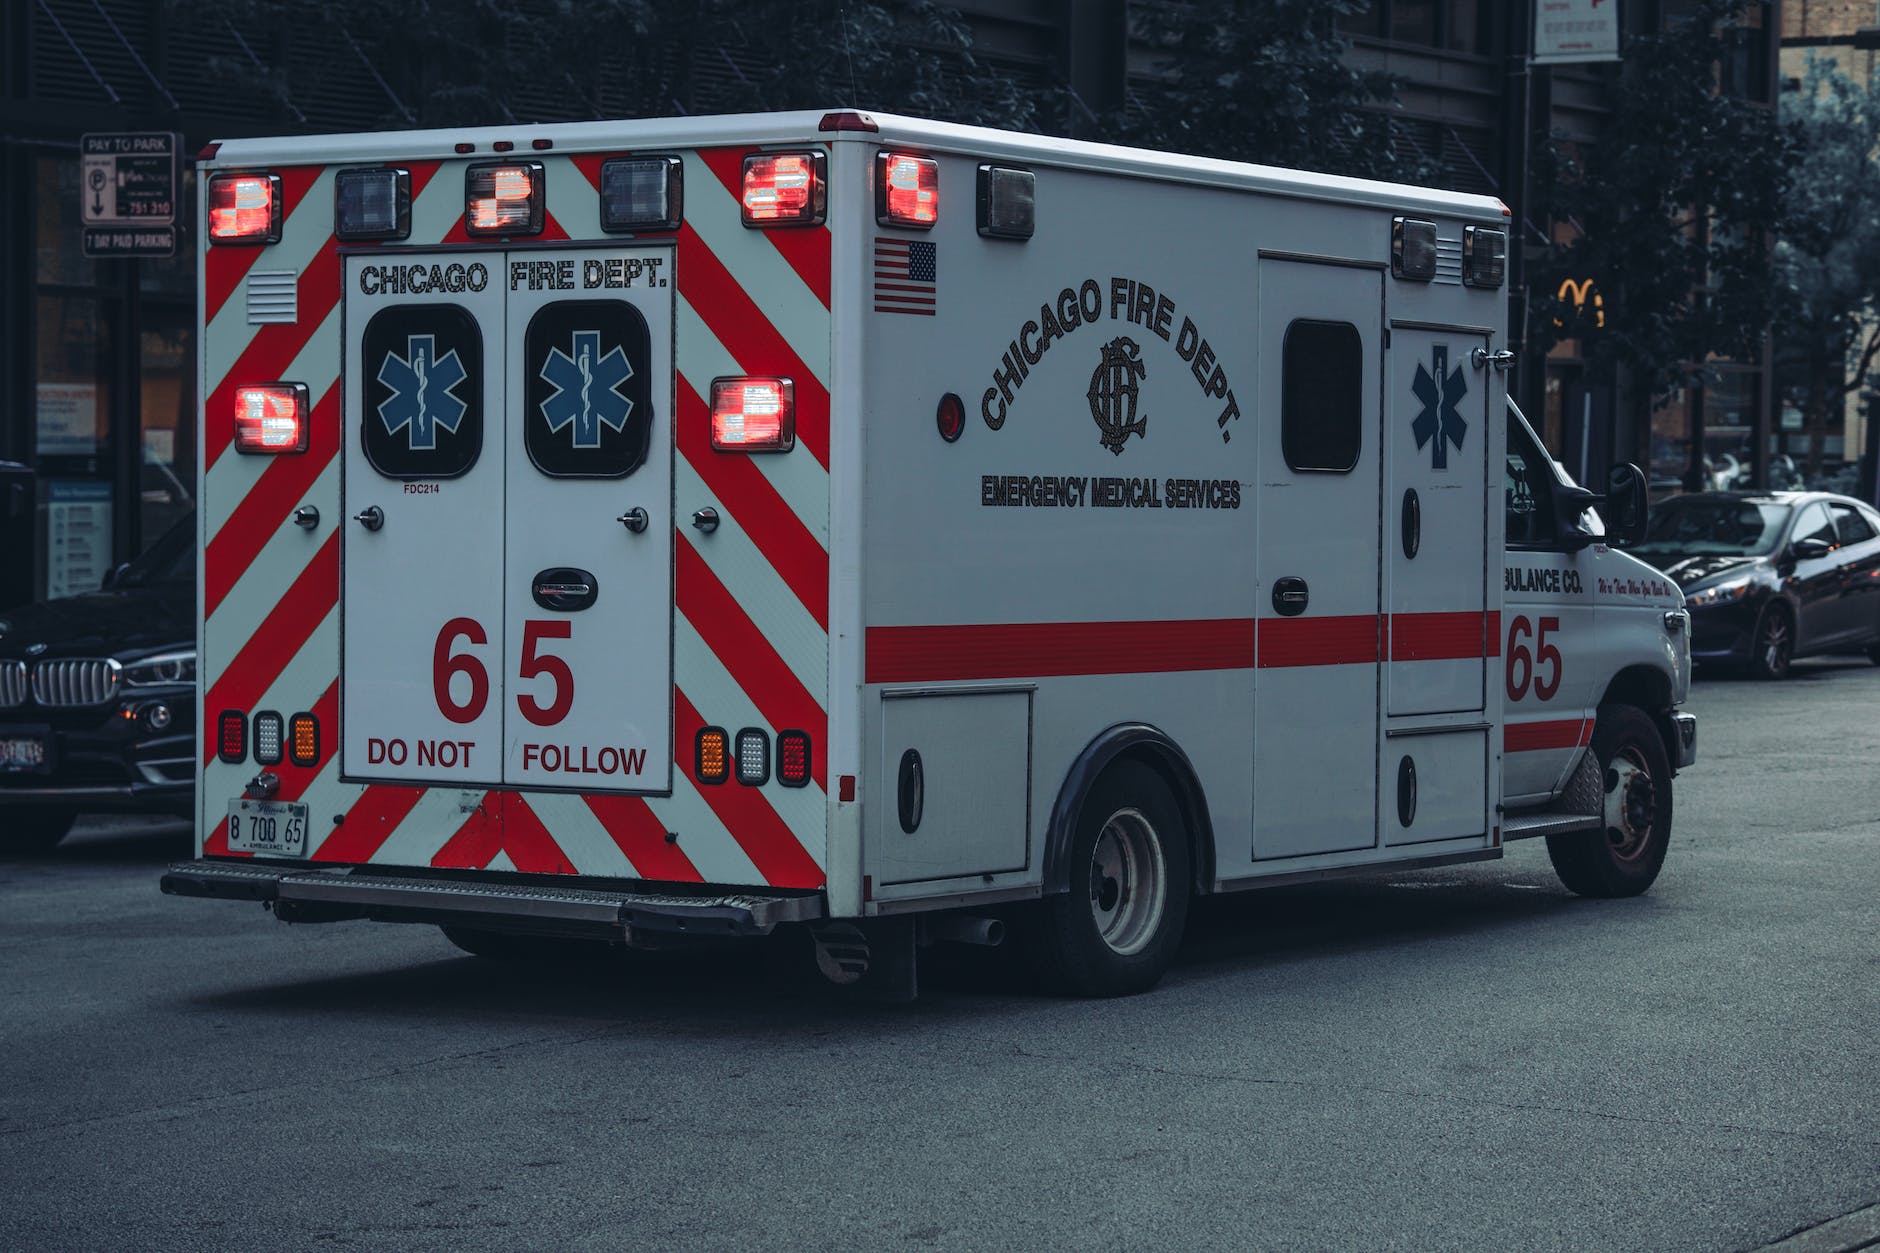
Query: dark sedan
1771	576
98	699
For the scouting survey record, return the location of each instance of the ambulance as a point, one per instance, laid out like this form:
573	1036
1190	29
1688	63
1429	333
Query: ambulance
888	532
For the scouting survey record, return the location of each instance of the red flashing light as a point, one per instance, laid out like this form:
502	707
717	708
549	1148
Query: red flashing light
950	417
271	418
847	122
244	208
793	756
784	189
753	415
907	190
231	736
503	198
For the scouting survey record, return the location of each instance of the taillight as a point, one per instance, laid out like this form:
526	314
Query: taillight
753	415
713	764
271	418
269	728
784	189
303	734
231	735
503	198
753	757
244	208
793	768
907	190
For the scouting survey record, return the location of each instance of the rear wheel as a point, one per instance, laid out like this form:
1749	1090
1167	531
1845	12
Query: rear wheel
27	831
1624	855
1774	647
1116	931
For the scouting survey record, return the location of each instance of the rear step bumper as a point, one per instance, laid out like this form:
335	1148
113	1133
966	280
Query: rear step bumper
327	895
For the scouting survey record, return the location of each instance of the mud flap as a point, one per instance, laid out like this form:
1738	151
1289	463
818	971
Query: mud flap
872	960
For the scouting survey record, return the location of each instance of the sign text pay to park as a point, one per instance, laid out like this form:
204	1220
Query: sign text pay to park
127	193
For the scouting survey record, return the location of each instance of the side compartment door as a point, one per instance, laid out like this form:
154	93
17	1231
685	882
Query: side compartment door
421	553
1315	702
587	592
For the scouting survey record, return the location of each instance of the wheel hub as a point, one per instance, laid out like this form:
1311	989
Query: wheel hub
1127	888
1631	807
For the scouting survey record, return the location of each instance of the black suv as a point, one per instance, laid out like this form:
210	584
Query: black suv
98	698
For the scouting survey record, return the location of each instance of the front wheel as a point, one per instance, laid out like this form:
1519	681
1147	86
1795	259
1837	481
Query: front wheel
1624	855
1116	931
29	831
1774	647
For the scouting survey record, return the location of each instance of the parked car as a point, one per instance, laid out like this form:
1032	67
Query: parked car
98	698
1771	576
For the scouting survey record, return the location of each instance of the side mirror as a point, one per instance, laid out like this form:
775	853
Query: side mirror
1570	505
1810	548
1627	506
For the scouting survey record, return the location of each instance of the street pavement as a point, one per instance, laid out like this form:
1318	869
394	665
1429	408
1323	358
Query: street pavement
1468	1058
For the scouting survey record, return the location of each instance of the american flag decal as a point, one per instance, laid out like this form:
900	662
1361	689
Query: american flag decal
907	276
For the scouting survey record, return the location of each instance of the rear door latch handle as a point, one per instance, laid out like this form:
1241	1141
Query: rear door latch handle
371	517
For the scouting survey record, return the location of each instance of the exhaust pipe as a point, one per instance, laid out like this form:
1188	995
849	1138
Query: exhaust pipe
959	929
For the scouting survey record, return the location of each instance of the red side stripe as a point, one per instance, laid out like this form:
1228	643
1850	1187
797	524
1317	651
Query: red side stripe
281	635
763	836
1529	737
294	779
796	555
630	823
527	841
912	654
224	267
281	488
272	350
369	822
1329	641
750	338
806	249
743	649
1438	636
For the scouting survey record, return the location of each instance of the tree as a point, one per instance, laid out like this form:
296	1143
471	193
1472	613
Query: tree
1828	250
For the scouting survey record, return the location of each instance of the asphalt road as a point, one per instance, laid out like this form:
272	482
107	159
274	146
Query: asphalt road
1458	1059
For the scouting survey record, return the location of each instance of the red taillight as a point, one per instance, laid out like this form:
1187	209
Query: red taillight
503	198
783	189
244	208
793	758
950	417
907	190
231	736
271	418
753	415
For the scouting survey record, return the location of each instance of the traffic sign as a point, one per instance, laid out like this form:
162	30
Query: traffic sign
128	193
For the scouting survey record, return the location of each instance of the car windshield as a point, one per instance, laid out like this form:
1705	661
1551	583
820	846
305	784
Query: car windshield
172	559
1694	526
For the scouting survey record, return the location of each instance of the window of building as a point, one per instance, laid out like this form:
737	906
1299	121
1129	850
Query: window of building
1322	395
1458	25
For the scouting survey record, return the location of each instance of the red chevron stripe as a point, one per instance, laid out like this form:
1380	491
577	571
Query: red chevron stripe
272	350
630	823
282	634
225	266
369	822
531	848
478	840
745	651
807	250
763	836
282	487
766	519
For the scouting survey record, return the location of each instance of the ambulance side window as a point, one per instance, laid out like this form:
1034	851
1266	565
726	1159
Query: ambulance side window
1529	490
1322	396
423	381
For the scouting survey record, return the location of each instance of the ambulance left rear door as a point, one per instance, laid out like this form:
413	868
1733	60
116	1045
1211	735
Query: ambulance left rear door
422	555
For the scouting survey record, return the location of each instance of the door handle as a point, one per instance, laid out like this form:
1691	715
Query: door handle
633	519
371	517
1502	360
1290	596
705	520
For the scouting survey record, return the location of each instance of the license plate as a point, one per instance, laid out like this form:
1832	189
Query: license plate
25	752
267	828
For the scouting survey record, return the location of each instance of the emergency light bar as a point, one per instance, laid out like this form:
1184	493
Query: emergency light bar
1413	249
907	190
1484	256
372	204
753	415
784	188
271	418
1008	203
642	194
503	198
244	208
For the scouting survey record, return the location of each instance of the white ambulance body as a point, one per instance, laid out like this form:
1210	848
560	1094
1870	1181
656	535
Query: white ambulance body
658	529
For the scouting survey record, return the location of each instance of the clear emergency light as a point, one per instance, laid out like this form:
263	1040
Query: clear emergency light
372	204
1484	256
641	194
303	735
1413	249
753	414
269	743
1008	202
271	418
503	198
244	208
907	190
784	188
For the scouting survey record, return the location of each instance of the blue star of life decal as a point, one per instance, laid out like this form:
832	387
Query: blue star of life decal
421	399
1440	421
586	389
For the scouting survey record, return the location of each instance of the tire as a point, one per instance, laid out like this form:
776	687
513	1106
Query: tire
1625	854
1116	931
1774	645
508	946
24	832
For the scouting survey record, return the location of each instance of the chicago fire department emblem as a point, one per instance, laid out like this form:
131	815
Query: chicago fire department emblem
586	389
421	399
1440	421
1113	393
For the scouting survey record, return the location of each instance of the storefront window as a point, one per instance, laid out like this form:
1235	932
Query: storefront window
72	398
62	259
1671	442
167	476
1731	402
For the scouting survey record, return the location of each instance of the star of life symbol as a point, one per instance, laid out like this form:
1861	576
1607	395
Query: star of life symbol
1440	421
586	389
421	399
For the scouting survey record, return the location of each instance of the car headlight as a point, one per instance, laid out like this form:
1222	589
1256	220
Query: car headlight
162	670
1722	594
